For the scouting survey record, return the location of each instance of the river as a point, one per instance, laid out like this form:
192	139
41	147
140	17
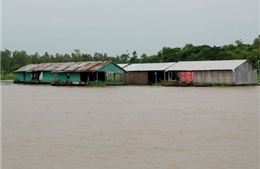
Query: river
129	127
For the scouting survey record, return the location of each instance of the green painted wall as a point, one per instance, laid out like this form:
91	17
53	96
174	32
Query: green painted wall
28	77
20	76
61	77
74	77
111	67
47	76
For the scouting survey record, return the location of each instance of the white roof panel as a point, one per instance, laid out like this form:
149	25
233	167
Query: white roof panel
123	65
148	66
206	65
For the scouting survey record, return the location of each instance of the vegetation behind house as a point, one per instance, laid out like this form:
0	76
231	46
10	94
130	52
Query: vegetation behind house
11	61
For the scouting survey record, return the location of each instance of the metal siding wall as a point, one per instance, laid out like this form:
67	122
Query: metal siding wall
208	77
48	76
19	76
245	74
61	77
214	77
136	78
75	77
28	77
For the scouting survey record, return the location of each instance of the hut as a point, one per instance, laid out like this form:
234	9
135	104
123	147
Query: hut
229	72
146	73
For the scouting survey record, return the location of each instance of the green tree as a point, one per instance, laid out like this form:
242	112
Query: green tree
20	58
256	43
6	61
134	58
124	58
144	58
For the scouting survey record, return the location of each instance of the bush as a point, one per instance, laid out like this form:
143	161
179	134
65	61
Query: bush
9	76
97	83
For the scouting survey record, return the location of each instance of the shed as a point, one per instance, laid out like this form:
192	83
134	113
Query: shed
230	72
146	73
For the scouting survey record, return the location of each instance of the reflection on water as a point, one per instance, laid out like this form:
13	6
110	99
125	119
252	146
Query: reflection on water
47	127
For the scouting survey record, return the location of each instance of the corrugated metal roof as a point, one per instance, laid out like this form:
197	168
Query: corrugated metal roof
42	67
123	65
92	66
65	67
25	68
206	65
148	66
51	66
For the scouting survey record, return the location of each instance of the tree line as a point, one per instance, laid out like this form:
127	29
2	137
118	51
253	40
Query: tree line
11	61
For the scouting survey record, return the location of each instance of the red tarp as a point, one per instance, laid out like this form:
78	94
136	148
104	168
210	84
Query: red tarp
186	77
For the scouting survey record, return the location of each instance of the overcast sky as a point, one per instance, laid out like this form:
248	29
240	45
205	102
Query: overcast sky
117	26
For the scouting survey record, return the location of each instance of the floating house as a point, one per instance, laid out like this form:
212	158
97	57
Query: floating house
37	73
89	72
229	72
72	73
146	73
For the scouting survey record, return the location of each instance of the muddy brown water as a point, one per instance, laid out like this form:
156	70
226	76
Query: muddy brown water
129	127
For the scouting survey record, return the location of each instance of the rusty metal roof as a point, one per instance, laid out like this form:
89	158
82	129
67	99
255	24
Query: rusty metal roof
92	66
25	68
65	67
